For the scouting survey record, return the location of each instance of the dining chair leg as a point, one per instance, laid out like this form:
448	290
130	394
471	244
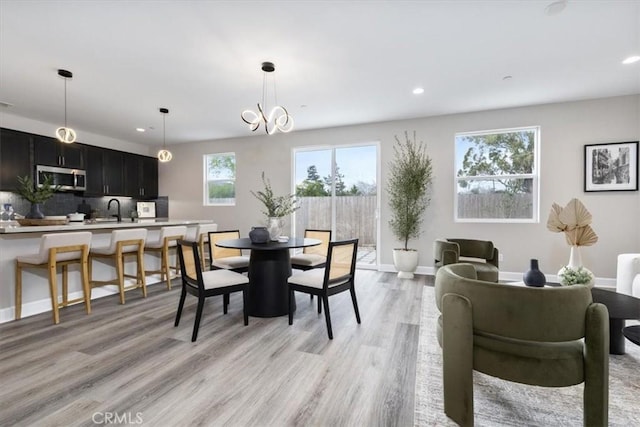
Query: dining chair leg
327	316
183	295
245	300
319	304
196	325
355	303
225	303
291	296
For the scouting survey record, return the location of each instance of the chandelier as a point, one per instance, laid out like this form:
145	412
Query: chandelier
164	155
65	134
278	119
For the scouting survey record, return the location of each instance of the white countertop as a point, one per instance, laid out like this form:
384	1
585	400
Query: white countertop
14	227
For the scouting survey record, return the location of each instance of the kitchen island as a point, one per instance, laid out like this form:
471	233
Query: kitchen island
16	240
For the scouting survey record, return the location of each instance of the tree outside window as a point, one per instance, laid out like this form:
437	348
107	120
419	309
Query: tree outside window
496	175
220	179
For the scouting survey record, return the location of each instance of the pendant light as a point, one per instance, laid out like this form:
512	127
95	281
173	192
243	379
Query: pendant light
164	155
278	118
65	134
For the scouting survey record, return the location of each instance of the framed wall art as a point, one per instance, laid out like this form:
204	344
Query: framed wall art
611	167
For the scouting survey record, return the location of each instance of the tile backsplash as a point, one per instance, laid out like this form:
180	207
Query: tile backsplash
64	203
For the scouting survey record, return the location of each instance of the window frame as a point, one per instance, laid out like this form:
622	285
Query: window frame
534	175
205	193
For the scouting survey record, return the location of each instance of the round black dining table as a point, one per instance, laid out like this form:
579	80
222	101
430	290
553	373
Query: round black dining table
269	269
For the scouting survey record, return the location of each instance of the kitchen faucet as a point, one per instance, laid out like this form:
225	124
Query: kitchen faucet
118	214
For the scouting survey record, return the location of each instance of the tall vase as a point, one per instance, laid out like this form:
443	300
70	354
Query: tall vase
275	228
575	262
35	212
575	259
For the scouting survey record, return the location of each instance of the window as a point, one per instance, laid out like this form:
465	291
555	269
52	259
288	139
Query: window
220	179
497	175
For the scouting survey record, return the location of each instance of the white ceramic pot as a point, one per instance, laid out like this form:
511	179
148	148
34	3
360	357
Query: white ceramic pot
76	217
405	262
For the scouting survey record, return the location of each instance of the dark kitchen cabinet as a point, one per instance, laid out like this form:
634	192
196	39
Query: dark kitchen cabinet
51	152
140	176
14	158
105	175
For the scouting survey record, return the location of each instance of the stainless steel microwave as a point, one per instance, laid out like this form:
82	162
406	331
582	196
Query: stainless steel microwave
67	179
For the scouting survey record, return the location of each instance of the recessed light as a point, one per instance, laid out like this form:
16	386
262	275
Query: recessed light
140	129
631	59
555	8
505	78
418	91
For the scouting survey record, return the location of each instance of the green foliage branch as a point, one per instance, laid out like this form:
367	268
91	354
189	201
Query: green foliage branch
408	187
275	206
28	191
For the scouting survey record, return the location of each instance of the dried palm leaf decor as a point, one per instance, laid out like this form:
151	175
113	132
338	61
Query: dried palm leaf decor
574	221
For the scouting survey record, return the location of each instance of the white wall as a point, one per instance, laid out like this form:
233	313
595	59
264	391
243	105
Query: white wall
565	129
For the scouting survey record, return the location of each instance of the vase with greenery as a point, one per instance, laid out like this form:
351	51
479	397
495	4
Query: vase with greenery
408	188
574	221
35	195
275	207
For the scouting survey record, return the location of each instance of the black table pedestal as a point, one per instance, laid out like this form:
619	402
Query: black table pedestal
268	287
616	338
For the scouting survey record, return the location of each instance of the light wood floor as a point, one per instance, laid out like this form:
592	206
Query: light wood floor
129	361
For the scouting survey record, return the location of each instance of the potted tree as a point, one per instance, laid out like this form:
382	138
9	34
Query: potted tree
408	187
276	207
35	195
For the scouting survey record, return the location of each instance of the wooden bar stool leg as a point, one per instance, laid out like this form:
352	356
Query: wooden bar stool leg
53	290
119	258
84	266
18	296
141	277
65	285
165	266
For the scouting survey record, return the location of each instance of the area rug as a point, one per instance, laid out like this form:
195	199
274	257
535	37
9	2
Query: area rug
502	403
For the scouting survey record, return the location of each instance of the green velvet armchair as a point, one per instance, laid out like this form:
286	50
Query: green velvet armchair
550	337
480	253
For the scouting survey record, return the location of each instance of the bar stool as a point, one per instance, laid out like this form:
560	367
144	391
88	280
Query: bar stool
123	243
166	240
58	249
200	234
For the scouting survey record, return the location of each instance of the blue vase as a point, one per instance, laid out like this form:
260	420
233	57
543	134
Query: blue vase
35	212
259	235
534	277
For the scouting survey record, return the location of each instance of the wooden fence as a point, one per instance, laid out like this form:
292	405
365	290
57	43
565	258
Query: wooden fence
494	205
356	217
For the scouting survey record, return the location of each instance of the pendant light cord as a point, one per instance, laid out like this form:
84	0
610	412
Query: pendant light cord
65	102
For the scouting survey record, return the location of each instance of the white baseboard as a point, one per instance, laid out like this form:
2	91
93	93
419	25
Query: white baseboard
601	282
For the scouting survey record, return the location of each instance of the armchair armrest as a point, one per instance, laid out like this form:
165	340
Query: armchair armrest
445	252
495	257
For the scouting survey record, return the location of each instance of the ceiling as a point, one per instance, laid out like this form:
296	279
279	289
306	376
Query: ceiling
337	62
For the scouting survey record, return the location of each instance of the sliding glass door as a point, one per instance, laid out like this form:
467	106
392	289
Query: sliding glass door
337	188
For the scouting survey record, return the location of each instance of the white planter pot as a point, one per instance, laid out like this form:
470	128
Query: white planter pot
405	262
